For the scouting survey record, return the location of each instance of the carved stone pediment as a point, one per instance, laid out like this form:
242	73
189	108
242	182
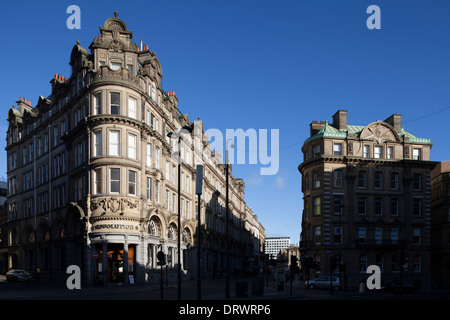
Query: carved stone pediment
114	205
116	45
380	132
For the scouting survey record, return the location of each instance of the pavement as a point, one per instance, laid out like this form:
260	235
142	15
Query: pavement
270	303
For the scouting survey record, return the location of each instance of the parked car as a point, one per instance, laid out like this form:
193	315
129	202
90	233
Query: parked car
323	282
18	275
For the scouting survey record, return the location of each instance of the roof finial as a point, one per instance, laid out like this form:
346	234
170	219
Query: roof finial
116	14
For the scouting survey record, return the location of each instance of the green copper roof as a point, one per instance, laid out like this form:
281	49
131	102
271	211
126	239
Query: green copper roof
355	129
414	138
328	131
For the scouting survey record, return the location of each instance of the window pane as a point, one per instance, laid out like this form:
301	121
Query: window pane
362	206
362	179
390	154
317	205
114	143
132	108
116	66
98	144
115	180
132	182
98	181
361	234
378	206
394	207
394	180
416	154
132	146
149	155
366	152
337	178
378	235
378	180
337	149
394	235
98	103
157	158
378	152
115	103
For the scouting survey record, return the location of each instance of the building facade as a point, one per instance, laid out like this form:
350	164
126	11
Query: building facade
92	171
273	245
366	192
440	228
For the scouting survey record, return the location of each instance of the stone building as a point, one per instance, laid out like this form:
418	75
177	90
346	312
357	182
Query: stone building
366	192
91	170
440	224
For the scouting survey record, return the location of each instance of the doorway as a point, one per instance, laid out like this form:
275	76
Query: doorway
115	263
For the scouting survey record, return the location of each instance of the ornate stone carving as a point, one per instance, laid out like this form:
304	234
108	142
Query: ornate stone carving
406	152
114	205
378	132
116	45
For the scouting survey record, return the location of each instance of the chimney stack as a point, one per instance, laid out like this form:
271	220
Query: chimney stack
315	127
340	120
395	121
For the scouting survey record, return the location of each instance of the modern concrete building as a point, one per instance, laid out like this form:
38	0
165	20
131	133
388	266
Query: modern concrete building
366	191
92	171
273	245
440	224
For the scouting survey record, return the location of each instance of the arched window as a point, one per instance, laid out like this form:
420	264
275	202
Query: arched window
61	232
30	236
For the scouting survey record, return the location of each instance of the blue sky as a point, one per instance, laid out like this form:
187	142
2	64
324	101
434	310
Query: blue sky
259	64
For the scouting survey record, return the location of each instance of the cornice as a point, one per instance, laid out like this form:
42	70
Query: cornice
355	161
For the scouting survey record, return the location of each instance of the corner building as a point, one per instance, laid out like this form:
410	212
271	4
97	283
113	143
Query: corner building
367	197
91	171
440	224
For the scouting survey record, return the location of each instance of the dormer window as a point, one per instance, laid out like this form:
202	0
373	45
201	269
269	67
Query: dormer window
378	154
115	66
130	68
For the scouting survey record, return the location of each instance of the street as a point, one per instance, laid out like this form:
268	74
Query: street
211	290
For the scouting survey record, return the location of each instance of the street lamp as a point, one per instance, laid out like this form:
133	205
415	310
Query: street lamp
227	274
174	135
